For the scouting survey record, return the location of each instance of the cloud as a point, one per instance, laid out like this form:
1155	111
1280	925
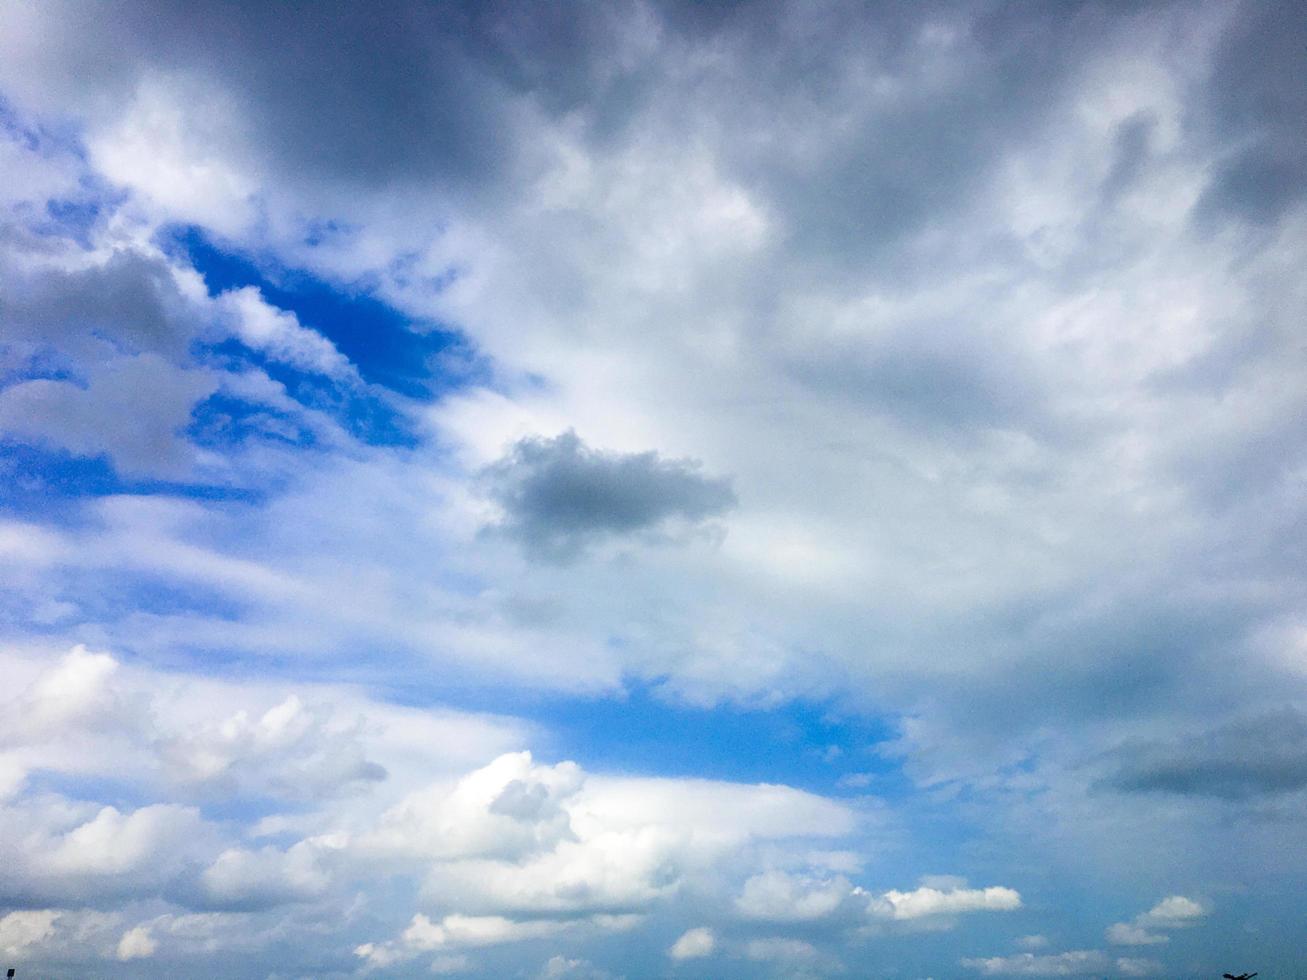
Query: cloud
457	963
291	751
24	928
1080	962
137	944
244	879
927	901
85	714
1240	760
776	896
1264	172
87	419
69	301
1172	912
991	315
280	335
693	944
559	495
475	932
1128	934
777	948
559	967
59	853
75	691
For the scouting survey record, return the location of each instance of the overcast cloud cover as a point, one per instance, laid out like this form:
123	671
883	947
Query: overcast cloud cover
653	489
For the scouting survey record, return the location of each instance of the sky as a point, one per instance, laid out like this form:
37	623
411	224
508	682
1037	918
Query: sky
653	490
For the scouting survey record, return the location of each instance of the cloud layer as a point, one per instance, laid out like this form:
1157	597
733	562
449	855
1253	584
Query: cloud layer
652	487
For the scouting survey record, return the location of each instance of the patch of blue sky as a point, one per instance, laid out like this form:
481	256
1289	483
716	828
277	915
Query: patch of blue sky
368	414
53	484
147	594
221	421
50	138
45	363
72	218
810	745
416	359
124	794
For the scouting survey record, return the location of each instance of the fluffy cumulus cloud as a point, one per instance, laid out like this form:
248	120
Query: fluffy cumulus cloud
599	490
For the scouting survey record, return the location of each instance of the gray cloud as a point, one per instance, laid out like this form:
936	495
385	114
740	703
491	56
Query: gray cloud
132	408
1258	112
427	94
130	299
1244	759
931	377
559	494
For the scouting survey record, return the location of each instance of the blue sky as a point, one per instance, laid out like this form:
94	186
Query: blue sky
652	490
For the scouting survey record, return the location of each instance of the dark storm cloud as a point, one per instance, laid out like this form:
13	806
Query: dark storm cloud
1255	757
559	494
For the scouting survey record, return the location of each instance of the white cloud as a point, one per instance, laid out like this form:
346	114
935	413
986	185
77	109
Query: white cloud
1080	962
999	353
137	944
559	967
280	335
693	944
1070	964
1128	934
19	930
240	878
1173	911
75	691
780	897
780	949
445	965
115	843
926	901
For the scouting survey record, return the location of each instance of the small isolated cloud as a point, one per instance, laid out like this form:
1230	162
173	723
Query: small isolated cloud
927	901
559	495
1033	942
694	944
136	944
